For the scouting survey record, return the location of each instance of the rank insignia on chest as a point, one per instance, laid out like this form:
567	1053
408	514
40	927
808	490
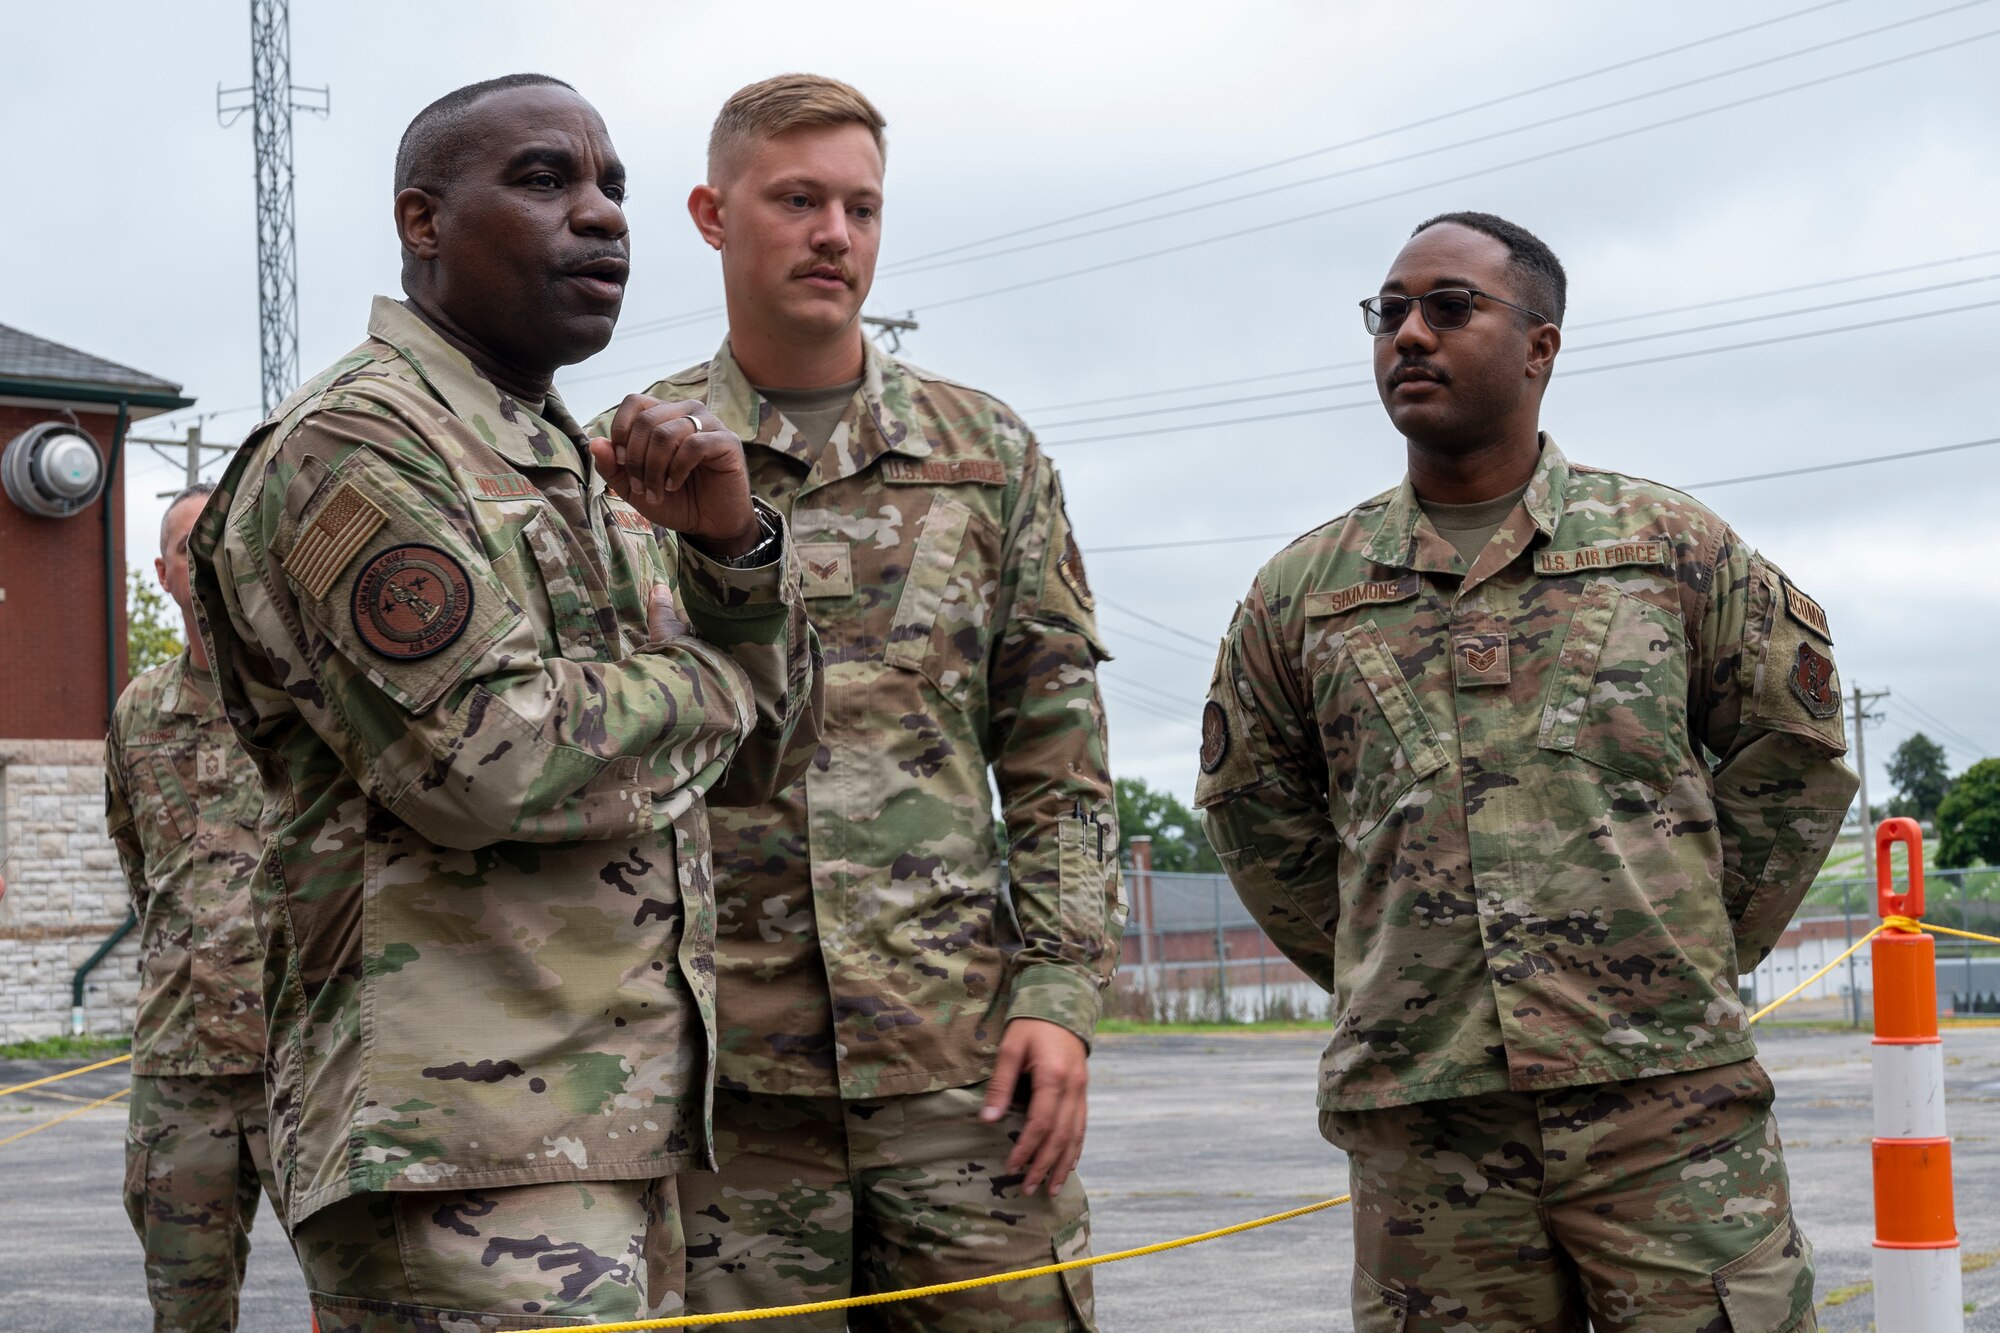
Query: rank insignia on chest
1813	682
631	520
826	569
1480	659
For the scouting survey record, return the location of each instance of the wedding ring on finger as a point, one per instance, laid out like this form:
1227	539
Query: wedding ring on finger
698	427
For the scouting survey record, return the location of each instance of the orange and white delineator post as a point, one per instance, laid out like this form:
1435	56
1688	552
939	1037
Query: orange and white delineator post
1917	1282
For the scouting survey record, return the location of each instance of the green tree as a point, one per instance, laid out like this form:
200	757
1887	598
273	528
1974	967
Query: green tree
1178	842
151	634
1917	770
1968	819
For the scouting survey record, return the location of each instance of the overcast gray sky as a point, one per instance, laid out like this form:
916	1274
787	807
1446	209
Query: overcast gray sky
134	239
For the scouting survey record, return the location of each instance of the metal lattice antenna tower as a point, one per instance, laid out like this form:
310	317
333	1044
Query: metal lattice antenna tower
273	98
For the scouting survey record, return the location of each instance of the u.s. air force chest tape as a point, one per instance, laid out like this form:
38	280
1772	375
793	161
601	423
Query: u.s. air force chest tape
1797	686
392	582
1610	555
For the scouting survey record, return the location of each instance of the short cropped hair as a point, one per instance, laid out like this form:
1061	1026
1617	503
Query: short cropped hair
1544	285
199	490
786	102
432	146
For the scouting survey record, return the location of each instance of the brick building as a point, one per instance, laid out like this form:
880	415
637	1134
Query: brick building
63	420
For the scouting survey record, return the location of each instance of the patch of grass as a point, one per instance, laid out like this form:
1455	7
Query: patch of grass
1132	1027
65	1048
1842	1295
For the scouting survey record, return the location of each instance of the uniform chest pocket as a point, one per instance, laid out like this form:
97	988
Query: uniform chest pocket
562	597
1618	695
944	616
1378	742
161	783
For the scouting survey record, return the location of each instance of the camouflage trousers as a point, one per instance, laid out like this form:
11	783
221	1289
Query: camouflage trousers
820	1198
196	1155
516	1257
1657	1205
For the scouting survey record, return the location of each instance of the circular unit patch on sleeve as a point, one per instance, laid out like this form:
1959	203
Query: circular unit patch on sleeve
1214	736
411	602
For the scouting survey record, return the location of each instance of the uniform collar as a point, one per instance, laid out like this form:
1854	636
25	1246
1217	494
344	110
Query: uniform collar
1406	539
179	696
512	430
883	419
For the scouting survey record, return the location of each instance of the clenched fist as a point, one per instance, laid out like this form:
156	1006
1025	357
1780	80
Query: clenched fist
675	464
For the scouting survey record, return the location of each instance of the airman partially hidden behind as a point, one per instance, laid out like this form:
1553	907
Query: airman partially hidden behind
182	808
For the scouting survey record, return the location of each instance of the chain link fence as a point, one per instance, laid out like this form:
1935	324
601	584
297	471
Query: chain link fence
1193	953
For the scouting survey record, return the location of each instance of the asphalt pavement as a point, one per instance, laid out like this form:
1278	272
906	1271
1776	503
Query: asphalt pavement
1188	1133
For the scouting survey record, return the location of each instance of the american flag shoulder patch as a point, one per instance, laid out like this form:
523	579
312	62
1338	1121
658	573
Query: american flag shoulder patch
334	537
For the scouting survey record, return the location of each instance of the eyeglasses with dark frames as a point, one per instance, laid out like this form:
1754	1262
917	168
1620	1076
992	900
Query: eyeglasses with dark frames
1445	309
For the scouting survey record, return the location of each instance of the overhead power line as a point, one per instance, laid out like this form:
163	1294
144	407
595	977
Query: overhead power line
1155	431
1573	351
1194	639
1182	247
1426	121
906	269
1363	363
1970	746
1142	704
1697	486
911	266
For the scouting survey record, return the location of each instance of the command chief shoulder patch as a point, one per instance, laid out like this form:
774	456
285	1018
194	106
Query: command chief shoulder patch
411	602
1812	681
1214	736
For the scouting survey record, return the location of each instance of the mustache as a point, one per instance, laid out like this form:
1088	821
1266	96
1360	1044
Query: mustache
1409	370
590	256
837	262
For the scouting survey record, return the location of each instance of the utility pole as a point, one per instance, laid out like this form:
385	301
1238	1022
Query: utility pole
190	461
893	327
1142	866
1862	717
273	99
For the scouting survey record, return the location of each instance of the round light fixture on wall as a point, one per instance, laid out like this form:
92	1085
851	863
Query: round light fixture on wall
52	470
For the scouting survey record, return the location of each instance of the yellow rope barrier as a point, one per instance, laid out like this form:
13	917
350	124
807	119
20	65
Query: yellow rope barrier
1896	923
66	1115
945	1288
1847	953
68	1073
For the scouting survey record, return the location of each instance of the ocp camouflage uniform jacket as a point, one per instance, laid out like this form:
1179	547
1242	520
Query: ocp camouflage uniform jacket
863	947
181	804
486	887
1478	806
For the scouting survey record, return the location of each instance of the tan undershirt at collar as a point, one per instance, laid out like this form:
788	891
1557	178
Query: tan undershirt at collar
1469	527
816	412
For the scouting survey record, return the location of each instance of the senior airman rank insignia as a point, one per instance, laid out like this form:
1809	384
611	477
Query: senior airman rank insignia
411	602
